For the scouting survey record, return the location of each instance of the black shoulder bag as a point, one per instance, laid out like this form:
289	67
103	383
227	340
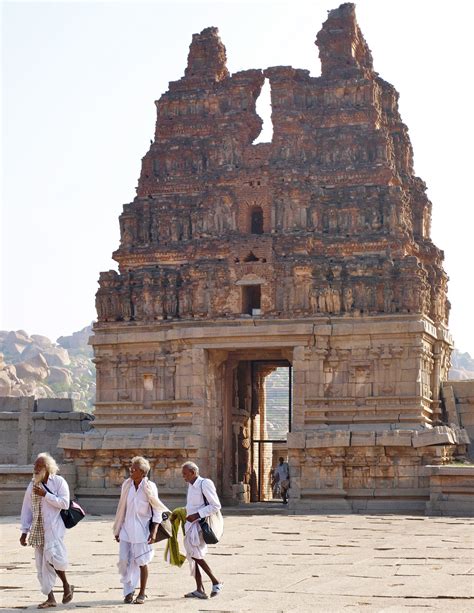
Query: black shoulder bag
207	532
72	516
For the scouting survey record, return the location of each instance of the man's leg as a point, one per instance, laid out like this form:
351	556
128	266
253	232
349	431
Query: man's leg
143	580
197	576
67	588
46	577
125	562
205	567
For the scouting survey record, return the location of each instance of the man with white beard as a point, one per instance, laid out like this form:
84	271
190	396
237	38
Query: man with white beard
45	496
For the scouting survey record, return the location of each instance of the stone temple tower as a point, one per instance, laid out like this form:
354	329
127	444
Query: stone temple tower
311	251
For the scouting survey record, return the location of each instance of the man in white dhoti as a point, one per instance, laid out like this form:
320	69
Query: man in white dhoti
139	503
199	491
45	496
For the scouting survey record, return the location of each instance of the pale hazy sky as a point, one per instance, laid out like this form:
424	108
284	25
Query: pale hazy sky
79	80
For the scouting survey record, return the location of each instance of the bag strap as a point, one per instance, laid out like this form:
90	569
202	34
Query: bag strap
47	489
202	492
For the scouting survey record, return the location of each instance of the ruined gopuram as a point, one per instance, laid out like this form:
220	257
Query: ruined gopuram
311	251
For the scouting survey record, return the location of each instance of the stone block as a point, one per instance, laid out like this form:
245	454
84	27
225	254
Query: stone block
362	439
394	438
440	435
70	441
328	439
296	440
10	404
193	441
92	441
57	405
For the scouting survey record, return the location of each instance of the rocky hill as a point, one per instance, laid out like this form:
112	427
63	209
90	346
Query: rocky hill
462	366
36	366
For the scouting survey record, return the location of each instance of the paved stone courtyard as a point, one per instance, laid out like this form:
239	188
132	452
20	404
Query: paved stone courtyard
275	563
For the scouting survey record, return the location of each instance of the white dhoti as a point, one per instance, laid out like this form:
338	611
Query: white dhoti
131	557
49	559
194	544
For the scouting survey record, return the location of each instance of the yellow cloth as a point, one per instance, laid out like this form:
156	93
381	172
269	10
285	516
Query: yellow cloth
172	552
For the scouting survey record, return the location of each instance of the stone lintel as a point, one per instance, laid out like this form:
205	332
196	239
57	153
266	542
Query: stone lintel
245	329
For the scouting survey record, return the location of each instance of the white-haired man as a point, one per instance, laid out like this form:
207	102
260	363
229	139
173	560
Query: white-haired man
139	503
202	500
45	496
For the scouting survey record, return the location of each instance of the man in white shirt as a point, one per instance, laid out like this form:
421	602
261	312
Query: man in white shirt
282	476
202	501
139	503
45	497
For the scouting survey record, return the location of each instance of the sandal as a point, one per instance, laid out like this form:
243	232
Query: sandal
68	597
47	604
196	594
216	589
129	598
140	599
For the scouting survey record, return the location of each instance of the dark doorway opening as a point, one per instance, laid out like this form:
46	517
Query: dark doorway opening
256	220
251	299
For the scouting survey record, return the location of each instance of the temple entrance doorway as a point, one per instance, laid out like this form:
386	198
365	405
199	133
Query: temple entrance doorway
261	420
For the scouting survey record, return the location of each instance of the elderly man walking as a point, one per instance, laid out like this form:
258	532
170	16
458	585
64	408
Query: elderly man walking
138	506
45	496
202	501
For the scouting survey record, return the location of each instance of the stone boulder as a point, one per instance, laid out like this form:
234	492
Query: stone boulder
59	376
5	384
54	356
42	341
57	356
15	343
35	369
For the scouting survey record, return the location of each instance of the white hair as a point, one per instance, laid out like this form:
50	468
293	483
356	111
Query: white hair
191	466
49	462
142	463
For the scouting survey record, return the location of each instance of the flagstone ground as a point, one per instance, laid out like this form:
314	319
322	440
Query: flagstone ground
274	563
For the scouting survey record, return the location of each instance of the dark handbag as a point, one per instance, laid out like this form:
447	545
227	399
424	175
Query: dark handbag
207	532
164	528
72	516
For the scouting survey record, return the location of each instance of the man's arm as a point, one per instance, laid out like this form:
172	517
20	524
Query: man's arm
213	502
26	514
61	499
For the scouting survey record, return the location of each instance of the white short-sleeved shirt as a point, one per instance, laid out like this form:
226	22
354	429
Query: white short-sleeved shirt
136	524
